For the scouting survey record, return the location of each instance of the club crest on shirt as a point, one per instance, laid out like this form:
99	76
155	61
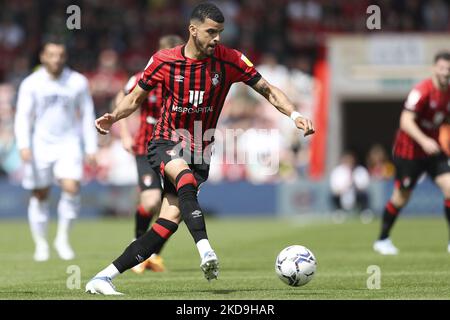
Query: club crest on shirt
147	180
215	78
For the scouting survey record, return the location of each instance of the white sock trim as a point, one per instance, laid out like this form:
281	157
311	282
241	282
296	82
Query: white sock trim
110	272
203	247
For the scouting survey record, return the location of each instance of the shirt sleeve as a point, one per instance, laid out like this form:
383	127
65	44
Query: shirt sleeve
244	69
417	100
87	120
152	74
24	114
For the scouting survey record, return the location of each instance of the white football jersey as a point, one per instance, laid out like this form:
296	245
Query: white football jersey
55	111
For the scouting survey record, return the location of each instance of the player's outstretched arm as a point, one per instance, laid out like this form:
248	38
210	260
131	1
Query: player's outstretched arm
125	135
127	106
280	101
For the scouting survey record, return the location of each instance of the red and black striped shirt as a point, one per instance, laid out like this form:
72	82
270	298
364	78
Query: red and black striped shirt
195	91
150	112
432	107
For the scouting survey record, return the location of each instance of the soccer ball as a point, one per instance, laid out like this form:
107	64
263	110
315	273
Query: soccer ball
296	265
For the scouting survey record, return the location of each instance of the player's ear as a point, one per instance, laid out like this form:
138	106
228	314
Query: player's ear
193	30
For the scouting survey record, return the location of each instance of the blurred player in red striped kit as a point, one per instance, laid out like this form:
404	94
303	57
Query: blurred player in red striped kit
149	181
417	149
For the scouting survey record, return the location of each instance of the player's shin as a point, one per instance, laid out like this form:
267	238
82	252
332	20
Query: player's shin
68	209
191	212
142	221
143	247
390	214
38	215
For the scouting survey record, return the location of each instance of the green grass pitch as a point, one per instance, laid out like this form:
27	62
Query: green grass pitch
247	249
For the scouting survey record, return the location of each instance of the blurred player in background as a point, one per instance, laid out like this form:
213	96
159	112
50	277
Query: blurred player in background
416	147
148	179
53	121
196	78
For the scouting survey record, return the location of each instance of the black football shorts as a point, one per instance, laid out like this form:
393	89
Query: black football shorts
407	172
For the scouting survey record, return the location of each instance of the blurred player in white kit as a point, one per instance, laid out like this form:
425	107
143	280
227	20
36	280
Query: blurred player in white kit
54	122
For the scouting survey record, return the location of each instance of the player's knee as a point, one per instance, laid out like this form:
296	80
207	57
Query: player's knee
400	197
71	187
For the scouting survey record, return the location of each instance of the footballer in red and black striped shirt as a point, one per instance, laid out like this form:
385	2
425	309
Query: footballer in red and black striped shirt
196	78
148	179
416	147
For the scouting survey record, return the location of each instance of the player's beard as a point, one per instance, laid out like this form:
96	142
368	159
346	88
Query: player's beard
203	48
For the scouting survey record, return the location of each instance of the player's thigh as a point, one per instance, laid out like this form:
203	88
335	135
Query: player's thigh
148	178
439	171
169	208
37	174
407	172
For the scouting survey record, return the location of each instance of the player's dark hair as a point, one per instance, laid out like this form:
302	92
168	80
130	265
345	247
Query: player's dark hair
444	55
205	11
52	39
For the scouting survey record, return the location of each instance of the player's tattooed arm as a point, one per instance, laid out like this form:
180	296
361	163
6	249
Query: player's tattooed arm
280	101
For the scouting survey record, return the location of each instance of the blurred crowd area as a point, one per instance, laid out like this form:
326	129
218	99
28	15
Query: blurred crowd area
284	38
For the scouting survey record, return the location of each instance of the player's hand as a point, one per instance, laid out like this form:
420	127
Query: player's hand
25	154
104	123
430	146
127	143
91	159
305	125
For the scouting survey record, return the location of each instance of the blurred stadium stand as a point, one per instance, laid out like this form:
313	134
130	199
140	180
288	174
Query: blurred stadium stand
352	81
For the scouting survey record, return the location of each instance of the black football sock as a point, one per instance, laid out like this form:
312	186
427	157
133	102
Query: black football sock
143	247
390	214
142	221
447	213
190	209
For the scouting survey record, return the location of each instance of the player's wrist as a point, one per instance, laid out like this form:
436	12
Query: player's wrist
295	114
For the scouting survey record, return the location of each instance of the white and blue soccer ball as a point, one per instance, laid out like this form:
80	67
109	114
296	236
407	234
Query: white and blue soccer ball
296	265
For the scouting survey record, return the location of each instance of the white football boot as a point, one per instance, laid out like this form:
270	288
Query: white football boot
385	247
64	250
210	265
448	248
102	285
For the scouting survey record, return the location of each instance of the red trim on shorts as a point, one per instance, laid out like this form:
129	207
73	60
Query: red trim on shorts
161	168
391	208
162	231
397	184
